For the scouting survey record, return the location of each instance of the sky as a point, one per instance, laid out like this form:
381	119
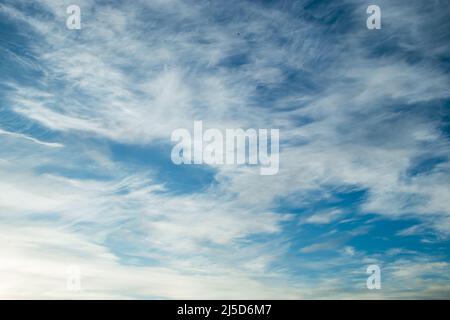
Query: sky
87	182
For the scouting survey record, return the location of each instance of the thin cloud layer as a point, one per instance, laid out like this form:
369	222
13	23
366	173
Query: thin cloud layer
86	178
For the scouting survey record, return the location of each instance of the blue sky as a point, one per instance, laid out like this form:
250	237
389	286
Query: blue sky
86	177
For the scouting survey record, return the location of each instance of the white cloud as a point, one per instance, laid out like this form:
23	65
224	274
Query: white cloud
133	81
323	217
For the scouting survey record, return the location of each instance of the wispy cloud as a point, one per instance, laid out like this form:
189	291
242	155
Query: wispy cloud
363	117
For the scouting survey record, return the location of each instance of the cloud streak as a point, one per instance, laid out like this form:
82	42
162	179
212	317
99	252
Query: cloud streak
363	119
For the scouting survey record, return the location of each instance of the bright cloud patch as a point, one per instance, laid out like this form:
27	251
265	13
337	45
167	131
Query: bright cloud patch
86	179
